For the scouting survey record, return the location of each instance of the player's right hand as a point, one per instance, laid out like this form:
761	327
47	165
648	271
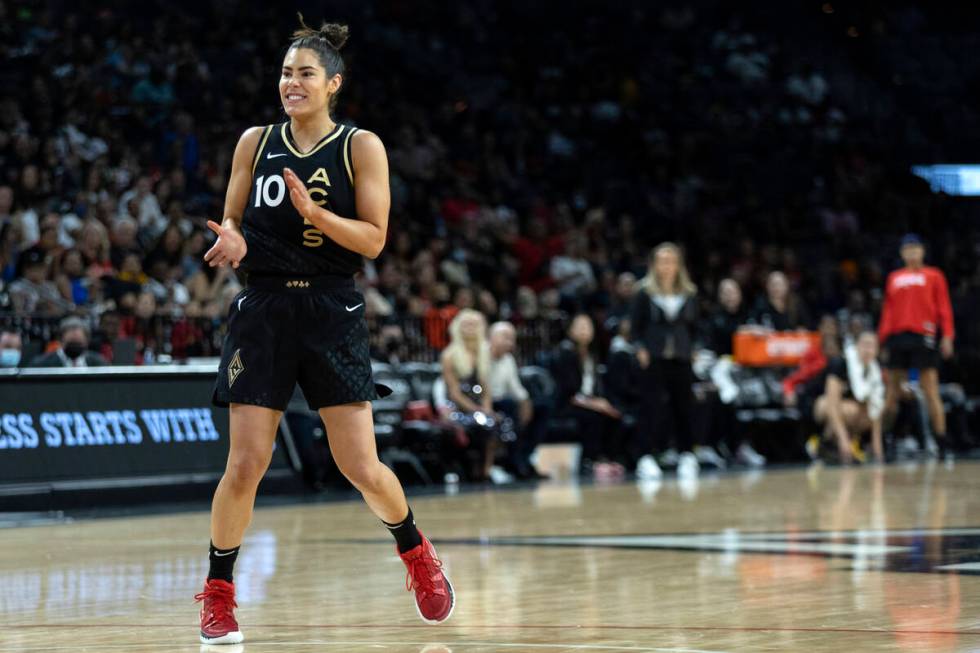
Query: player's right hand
230	247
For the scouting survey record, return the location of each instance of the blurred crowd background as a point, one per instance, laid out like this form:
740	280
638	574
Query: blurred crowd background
538	152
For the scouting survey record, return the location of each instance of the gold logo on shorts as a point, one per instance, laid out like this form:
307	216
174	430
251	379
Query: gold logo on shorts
235	367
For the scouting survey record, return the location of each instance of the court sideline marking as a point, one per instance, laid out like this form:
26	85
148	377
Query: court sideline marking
570	627
509	645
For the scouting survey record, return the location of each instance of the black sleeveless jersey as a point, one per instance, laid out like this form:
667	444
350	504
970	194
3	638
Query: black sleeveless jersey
280	242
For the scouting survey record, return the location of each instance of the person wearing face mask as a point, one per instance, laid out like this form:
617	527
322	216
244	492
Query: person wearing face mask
73	351
10	349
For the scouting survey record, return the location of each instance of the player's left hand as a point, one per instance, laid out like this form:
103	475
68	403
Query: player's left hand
946	347
298	194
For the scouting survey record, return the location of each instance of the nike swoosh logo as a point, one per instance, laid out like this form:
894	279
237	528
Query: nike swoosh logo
270	155
222	555
351	309
240	303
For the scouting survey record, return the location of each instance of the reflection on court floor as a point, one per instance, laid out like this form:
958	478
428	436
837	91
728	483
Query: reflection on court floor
806	559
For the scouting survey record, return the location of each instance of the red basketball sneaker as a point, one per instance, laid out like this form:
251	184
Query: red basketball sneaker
218	625
434	597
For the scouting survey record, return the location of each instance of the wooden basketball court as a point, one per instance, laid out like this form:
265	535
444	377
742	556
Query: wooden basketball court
797	560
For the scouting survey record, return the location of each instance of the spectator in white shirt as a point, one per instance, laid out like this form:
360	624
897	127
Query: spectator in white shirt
151	219
510	398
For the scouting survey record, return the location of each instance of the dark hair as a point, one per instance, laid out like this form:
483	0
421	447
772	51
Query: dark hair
71	323
326	42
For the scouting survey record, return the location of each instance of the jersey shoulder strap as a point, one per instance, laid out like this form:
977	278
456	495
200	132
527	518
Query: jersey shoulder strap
262	141
347	154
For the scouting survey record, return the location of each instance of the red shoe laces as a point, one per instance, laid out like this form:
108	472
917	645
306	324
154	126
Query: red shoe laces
421	572
219	601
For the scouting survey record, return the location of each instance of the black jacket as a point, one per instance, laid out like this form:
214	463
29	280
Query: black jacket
662	337
52	359
796	317
566	367
722	326
624	378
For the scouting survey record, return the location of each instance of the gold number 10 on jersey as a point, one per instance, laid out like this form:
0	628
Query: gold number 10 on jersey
271	190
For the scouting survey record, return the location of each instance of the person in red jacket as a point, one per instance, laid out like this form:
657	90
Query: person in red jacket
916	315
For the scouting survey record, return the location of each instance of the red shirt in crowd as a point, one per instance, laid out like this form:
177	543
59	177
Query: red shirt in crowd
916	301
534	255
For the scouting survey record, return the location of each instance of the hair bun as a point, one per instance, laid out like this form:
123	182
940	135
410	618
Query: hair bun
334	34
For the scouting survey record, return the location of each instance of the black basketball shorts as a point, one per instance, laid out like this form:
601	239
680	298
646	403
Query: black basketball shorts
907	350
285	331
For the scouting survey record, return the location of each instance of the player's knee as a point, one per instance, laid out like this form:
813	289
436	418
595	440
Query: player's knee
245	471
364	475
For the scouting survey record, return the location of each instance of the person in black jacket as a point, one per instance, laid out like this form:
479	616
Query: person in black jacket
664	324
780	309
579	393
623	389
725	321
726	433
73	348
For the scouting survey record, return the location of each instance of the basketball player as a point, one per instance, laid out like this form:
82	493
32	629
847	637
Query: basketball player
307	199
916	312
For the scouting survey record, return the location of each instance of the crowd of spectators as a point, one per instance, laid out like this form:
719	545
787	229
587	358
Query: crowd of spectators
537	153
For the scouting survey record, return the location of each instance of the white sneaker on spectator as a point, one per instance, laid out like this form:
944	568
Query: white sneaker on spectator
687	466
647	469
669	458
749	456
908	445
708	456
498	476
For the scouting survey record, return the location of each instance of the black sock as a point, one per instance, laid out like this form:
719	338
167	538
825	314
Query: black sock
407	537
222	562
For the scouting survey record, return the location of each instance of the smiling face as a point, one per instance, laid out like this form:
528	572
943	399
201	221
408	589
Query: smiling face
304	87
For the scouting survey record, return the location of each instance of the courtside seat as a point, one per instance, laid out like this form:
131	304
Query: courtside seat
394	440
540	384
421	376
